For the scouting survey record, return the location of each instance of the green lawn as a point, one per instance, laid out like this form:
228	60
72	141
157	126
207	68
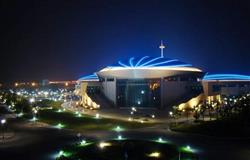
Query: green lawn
85	122
214	128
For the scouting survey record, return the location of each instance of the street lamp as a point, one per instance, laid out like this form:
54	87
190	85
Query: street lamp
3	121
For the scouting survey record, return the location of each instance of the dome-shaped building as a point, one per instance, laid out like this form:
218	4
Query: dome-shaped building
149	82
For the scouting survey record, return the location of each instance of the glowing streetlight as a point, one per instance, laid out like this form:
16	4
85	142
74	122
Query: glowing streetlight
104	144
60	153
3	121
32	100
155	154
134	109
171	113
119	137
59	126
83	142
97	115
160	139
118	129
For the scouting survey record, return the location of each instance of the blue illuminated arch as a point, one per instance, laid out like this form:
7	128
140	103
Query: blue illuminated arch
226	77
147	61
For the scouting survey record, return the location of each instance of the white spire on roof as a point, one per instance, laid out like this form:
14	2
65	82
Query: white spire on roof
162	47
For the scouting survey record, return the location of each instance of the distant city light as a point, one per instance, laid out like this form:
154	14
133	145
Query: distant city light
32	100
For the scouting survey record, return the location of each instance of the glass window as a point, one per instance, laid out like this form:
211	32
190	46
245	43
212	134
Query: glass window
138	93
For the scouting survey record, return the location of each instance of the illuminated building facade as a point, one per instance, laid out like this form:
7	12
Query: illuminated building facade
145	82
226	84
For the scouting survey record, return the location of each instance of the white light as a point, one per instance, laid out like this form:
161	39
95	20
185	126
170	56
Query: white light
170	113
97	115
119	137
153	116
160	139
133	109
3	121
142	92
139	102
32	100
83	142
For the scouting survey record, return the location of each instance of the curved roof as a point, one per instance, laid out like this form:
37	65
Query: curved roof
147	61
91	77
147	67
239	77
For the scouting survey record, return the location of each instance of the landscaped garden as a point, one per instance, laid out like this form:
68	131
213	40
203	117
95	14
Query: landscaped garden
120	149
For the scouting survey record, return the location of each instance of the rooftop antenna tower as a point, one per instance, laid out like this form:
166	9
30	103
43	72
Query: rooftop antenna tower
162	47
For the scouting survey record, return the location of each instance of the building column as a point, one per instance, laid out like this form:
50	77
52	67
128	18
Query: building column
162	93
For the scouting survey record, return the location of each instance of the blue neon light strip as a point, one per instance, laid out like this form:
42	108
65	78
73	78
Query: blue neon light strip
147	61
156	64
226	77
92	76
152	60
131	61
122	64
138	63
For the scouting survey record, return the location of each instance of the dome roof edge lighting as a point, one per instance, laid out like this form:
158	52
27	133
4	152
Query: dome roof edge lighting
226	77
148	62
91	77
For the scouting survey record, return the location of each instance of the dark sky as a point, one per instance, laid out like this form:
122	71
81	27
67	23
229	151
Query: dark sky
63	40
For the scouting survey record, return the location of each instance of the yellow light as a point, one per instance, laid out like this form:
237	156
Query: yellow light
104	144
155	154
33	84
16	84
66	84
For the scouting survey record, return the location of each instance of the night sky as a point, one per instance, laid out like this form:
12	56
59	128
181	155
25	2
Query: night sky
64	40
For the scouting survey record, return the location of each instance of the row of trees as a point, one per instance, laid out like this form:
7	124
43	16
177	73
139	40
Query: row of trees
228	108
14	102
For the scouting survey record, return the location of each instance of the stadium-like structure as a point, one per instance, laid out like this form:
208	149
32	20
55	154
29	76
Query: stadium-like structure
145	82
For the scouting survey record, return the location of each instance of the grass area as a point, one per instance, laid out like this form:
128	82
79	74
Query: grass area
85	122
214	128
119	149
